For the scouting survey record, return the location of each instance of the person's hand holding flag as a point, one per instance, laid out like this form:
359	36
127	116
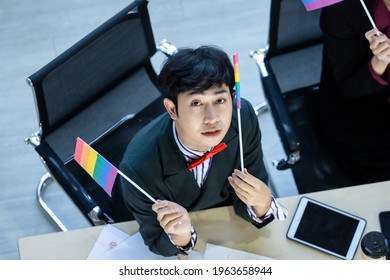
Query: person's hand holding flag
380	47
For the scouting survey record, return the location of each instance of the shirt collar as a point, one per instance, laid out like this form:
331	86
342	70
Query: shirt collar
189	154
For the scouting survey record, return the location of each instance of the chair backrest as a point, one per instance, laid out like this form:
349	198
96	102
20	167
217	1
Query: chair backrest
295	44
103	89
105	68
290	70
292	27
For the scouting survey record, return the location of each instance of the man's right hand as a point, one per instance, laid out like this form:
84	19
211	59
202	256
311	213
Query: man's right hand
174	220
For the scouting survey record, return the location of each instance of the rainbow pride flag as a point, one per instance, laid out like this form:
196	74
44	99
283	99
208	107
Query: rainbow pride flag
237	80
101	170
311	5
238	100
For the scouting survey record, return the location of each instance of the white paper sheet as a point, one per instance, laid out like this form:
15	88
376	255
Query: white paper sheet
215	252
109	238
114	244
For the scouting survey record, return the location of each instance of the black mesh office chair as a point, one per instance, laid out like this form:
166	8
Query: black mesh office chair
290	70
103	89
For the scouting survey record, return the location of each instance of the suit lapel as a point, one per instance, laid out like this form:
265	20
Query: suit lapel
178	179
220	169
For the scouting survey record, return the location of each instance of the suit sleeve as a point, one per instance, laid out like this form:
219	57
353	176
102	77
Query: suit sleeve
141	207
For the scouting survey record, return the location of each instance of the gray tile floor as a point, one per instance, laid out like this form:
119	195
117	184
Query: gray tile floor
34	32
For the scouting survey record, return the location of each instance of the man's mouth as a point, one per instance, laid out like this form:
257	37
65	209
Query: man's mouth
212	133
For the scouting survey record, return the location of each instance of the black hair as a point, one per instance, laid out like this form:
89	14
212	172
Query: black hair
195	70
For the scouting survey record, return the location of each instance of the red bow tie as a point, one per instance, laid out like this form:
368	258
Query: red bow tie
220	147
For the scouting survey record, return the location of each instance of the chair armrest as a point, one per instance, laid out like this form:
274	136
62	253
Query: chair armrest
277	105
71	186
166	48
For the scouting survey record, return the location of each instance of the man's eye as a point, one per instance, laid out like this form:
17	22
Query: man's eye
195	103
221	101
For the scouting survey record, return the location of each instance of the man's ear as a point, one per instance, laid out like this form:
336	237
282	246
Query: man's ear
233	95
171	108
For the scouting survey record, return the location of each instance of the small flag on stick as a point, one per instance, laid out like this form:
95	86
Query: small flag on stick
238	100
311	5
100	169
237	80
103	172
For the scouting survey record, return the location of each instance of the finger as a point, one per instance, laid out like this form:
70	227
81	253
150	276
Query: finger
238	182
171	227
382	47
382	54
378	41
242	198
159	205
241	194
247	189
239	187
246	177
169	219
167	211
371	33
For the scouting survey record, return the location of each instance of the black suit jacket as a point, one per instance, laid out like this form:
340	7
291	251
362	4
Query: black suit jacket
155	163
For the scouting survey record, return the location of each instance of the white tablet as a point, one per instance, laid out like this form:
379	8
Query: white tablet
326	228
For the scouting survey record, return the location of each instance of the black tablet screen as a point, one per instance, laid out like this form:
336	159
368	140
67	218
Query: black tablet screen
326	229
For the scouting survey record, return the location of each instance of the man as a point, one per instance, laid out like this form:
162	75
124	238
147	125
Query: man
198	86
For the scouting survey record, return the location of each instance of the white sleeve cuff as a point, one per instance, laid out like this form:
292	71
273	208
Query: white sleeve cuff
190	245
276	209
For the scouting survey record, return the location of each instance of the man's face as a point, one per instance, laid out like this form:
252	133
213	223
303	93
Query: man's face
203	118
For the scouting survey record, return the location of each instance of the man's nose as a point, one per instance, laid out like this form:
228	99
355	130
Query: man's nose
211	115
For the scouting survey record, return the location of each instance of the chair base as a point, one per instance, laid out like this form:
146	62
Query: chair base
45	180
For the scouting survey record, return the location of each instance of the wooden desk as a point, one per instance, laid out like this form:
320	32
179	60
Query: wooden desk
222	227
